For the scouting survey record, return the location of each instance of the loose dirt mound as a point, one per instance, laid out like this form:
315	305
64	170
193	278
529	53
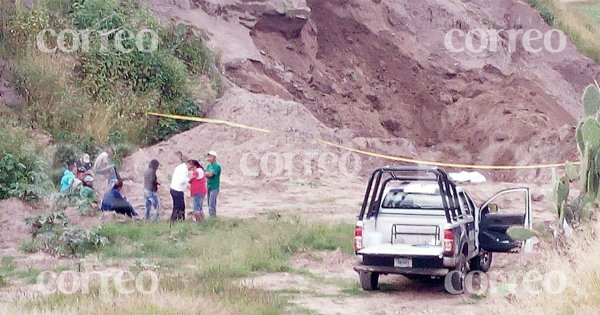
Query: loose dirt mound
12	223
380	69
262	172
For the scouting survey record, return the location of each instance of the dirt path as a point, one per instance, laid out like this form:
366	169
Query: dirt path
328	285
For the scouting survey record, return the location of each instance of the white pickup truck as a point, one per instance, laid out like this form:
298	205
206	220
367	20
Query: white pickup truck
417	222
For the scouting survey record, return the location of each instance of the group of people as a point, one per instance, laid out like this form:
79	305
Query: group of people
202	183
79	177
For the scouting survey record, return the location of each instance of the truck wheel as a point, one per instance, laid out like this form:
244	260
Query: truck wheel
455	280
481	262
369	280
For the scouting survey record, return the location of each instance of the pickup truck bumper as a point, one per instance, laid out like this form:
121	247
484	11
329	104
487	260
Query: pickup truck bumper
395	270
433	266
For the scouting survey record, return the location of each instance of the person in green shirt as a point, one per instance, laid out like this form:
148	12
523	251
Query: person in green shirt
86	190
213	173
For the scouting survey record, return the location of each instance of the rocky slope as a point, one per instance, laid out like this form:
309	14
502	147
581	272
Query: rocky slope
380	71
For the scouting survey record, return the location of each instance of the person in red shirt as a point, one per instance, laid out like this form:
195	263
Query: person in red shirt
197	188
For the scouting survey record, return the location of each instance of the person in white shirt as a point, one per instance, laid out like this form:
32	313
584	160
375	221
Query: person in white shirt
179	184
103	164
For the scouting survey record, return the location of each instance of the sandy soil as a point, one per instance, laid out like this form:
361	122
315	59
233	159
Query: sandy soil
325	289
380	71
367	74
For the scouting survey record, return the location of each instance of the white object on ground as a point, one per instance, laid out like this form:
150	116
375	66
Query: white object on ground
473	177
529	244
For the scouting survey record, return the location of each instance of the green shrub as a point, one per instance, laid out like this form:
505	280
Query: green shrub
168	127
61	238
21	24
545	12
22	167
30	246
183	42
96	14
82	103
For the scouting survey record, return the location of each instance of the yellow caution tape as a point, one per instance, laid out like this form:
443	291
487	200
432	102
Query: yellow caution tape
369	153
209	120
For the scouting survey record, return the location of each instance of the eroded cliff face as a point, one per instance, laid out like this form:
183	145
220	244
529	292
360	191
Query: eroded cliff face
381	70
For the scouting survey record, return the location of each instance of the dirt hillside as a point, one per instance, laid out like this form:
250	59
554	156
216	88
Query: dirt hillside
380	70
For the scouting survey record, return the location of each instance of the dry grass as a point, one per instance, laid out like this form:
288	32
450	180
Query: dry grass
199	267
582	294
581	21
159	303
56	103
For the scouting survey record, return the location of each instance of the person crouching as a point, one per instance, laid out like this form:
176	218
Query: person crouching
114	201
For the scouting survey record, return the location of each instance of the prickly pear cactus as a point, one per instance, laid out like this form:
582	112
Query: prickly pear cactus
520	233
571	171
590	132
562	196
591	100
579	136
588	142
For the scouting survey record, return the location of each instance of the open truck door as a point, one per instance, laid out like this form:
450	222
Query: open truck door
495	218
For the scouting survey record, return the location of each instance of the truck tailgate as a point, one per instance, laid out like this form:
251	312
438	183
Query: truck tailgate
402	250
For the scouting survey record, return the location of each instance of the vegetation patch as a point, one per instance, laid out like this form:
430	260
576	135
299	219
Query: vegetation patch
202	264
22	166
56	235
579	20
86	97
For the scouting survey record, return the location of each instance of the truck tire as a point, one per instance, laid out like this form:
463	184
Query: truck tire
455	280
481	262
369	280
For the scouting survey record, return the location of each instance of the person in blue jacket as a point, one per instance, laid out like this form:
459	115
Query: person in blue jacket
114	201
67	179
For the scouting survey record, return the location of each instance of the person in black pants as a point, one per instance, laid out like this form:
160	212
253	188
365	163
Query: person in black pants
179	184
114	201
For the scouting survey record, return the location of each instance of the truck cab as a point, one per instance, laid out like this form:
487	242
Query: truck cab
417	222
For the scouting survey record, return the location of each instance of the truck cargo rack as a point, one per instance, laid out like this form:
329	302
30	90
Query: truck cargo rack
382	176
435	234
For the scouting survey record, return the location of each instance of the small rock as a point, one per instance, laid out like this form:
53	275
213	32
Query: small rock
564	132
537	197
234	64
183	4
288	76
446	98
500	136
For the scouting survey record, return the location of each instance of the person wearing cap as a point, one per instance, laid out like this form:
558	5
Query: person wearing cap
84	163
86	191
213	173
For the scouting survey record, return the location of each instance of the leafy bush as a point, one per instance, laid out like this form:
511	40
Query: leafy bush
20	25
186	45
59	237
168	127
30	246
83	99
544	10
22	167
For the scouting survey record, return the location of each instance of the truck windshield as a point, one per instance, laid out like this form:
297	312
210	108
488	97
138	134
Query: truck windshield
398	199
